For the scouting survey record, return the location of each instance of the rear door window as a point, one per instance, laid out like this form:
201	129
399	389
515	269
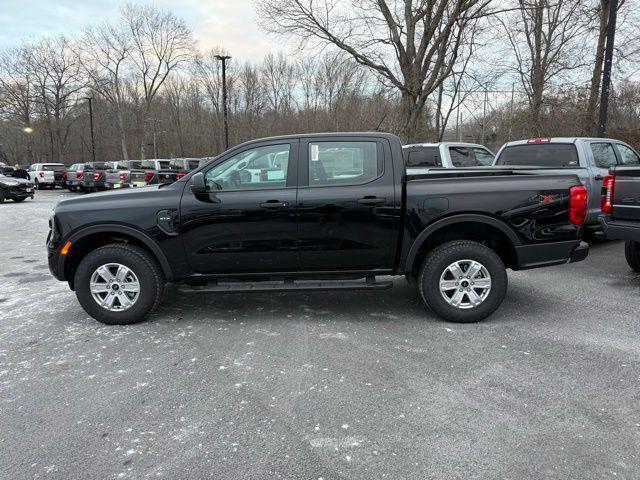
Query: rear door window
603	155
343	163
553	155
52	166
424	157
470	157
627	155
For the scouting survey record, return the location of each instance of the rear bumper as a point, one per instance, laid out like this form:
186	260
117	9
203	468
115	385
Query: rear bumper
548	254
619	229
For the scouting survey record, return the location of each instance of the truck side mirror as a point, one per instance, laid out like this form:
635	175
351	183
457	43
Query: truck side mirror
197	183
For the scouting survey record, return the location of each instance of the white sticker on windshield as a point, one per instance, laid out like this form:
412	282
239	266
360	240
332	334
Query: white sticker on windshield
315	152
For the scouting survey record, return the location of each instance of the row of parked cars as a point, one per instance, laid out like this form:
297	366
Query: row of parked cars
97	176
588	158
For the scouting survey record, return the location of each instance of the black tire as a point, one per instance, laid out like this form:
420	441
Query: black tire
145	267
1	196
37	184
437	263
632	253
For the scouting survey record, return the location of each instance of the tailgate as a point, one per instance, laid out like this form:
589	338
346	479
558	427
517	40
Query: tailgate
626	194
136	176
167	176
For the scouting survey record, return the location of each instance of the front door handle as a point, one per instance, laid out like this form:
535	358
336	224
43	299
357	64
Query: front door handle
599	177
273	204
371	201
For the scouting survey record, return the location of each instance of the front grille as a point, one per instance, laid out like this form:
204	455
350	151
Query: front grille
19	188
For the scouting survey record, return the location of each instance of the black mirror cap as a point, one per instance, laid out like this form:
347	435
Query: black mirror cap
197	183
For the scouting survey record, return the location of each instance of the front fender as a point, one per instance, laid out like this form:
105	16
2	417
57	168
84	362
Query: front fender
142	237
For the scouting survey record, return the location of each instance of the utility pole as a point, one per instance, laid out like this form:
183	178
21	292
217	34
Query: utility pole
223	59
606	73
93	141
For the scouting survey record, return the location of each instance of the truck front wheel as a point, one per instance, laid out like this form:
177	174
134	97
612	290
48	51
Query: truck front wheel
463	281
119	284
632	252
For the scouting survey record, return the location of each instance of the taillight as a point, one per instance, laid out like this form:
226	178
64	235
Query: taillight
148	176
64	175
122	177
79	175
96	175
180	175
606	200
577	205
41	174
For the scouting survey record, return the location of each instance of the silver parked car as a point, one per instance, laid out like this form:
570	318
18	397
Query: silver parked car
589	158
423	156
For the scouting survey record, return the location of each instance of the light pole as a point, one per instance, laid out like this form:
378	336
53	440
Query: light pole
93	141
223	59
606	74
28	131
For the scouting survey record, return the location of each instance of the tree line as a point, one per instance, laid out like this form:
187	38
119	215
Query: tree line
409	67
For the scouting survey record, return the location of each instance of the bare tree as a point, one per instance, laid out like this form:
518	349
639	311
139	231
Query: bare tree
104	52
544	37
161	42
411	44
57	81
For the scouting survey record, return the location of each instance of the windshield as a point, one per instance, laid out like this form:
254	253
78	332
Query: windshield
52	166
558	155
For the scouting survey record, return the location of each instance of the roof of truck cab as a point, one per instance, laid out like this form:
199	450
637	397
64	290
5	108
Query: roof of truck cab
543	140
321	135
449	144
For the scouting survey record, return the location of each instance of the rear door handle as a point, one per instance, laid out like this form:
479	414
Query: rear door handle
371	201
273	204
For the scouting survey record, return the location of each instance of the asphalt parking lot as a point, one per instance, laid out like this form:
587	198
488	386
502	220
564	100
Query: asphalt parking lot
318	385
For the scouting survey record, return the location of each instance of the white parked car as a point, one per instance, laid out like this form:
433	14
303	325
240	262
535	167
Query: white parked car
47	175
420	157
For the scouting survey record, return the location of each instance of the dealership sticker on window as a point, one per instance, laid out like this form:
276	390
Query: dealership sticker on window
275	175
315	152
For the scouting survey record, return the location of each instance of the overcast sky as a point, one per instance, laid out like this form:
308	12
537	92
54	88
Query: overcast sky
231	24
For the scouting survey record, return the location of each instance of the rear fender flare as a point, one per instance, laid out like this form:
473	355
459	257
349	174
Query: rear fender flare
463	218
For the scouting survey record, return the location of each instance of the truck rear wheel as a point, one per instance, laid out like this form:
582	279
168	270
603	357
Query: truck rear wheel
632	253
119	284
463	281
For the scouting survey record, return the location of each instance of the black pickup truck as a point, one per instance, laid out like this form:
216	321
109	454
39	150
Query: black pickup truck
317	211
620	218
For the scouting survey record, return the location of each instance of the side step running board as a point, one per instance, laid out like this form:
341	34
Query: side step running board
287	286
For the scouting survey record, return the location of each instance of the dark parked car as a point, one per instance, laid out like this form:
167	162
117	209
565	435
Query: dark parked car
6	170
322	211
158	171
73	176
16	189
184	166
94	177
620	216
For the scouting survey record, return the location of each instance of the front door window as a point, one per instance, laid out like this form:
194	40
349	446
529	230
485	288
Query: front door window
254	169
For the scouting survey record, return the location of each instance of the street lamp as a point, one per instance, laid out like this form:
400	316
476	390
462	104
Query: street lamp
223	59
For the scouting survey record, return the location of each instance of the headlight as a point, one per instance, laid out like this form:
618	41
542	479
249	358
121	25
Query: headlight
9	184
